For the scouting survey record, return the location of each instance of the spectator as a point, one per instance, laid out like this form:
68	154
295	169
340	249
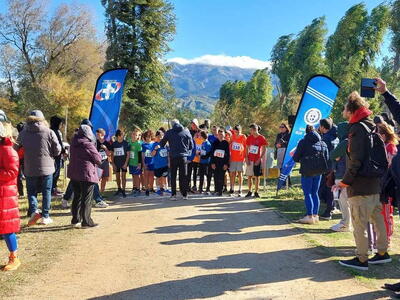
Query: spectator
20	127
83	173
9	213
281	143
390	100
313	155
181	145
55	125
363	192
41	147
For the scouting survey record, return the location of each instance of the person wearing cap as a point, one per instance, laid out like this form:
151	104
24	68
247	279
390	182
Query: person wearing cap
194	127
256	147
41	146
237	149
9	212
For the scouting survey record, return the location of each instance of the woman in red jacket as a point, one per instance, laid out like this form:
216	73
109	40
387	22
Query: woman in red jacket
9	212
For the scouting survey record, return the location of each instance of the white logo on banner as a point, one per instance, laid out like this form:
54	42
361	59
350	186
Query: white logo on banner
312	116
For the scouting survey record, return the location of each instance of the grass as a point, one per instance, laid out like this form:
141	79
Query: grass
336	245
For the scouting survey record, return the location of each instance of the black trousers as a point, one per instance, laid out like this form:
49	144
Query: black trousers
210	175
82	203
219	178
203	171
193	168
181	164
326	194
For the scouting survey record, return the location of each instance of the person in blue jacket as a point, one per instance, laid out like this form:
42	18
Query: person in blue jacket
313	155
160	162
204	159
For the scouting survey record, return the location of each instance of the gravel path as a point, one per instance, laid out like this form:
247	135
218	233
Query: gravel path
223	248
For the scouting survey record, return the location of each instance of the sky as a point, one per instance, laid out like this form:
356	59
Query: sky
240	32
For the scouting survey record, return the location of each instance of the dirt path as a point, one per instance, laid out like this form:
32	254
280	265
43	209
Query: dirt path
202	248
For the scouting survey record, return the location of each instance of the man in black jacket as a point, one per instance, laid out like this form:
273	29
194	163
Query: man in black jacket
363	192
180	144
55	125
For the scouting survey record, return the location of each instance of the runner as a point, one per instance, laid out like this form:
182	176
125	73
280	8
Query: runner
220	161
238	155
194	164
256	147
147	158
160	160
120	158
210	172
204	159
135	161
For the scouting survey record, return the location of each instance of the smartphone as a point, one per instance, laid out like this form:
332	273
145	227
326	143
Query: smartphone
367	87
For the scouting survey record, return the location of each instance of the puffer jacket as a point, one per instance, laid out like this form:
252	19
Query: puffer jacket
9	165
84	156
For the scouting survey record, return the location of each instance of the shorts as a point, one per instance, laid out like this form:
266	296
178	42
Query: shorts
150	167
161	172
105	166
134	170
252	170
119	169
236	166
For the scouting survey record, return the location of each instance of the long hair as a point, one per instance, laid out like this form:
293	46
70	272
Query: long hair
388	131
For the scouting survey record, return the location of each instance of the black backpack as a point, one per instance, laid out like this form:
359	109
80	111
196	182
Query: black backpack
377	163
316	164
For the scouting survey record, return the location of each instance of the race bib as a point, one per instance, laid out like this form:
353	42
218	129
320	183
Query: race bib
253	149
163	152
147	153
236	146
103	155
198	147
203	152
132	155
119	151
219	153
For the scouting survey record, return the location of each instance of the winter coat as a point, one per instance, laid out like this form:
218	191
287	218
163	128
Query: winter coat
309	146
9	165
357	155
330	138
339	166
180	141
41	147
84	157
393	104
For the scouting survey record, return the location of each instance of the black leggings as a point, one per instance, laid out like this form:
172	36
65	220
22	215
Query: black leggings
210	175
192	170
203	171
219	179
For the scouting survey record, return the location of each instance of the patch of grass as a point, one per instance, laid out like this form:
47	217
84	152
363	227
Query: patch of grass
336	245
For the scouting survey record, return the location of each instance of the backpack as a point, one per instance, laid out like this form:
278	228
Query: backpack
377	163
316	164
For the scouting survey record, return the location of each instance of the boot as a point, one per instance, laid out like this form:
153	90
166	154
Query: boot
13	263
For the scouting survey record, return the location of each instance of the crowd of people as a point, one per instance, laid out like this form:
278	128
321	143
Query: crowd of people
352	166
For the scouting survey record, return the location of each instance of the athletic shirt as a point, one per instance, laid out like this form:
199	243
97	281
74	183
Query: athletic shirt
220	153
102	152
254	145
237	148
120	151
136	150
197	144
160	160
212	138
146	149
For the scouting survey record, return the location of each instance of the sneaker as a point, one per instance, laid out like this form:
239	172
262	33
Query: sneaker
13	263
168	191
46	221
307	220
185	197
380	259
336	211
35	217
327	215
147	193
117	193
123	194
340	228
173	198
256	195
225	191
101	204
392	287
76	225
231	192
354	263
207	193
239	194
64	203
249	194
219	194
316	219
89	226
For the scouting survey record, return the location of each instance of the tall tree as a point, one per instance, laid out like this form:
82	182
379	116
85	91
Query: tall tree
138	33
395	29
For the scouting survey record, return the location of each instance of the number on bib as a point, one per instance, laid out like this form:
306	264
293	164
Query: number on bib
163	152
203	152
253	149
219	153
103	155
236	146
132	155
147	153
119	151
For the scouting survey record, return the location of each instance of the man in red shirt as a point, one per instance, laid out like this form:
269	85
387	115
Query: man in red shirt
256	147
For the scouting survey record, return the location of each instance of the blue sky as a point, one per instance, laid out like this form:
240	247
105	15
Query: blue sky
237	27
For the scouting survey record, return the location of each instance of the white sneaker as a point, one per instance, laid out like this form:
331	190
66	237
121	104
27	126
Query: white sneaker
340	228
173	198
185	198
64	203
307	220
101	204
77	225
46	221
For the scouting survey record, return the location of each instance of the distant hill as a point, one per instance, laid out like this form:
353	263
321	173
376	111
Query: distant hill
197	85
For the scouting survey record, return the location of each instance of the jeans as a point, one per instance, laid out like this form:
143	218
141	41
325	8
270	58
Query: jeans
310	185
181	164
82	204
11	241
96	193
56	175
32	184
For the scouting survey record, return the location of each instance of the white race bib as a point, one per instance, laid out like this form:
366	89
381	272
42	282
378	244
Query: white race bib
163	152
219	153
132	155
119	151
147	153
198	147
253	149
203	152
236	146
103	155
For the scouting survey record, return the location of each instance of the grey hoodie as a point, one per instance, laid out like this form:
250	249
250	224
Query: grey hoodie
40	147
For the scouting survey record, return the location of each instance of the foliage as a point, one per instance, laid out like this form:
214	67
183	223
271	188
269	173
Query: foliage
138	33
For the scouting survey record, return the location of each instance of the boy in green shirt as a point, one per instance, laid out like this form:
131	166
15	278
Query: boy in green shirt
135	161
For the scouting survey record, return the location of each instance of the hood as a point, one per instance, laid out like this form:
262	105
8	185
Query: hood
312	137
34	126
360	114
343	130
55	122
177	127
331	134
85	133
